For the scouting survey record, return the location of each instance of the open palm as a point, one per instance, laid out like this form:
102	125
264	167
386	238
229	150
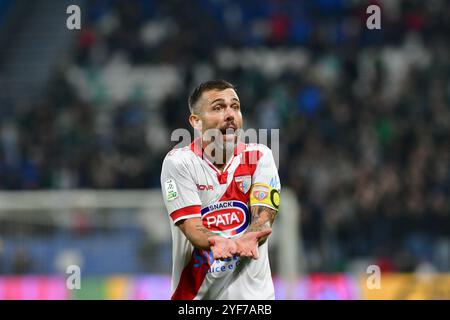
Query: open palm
247	244
222	248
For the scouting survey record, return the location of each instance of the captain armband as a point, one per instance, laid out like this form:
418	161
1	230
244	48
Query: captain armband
264	195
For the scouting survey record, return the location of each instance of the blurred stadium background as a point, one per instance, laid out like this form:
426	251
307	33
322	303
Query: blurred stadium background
364	118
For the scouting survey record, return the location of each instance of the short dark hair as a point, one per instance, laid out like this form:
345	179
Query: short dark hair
207	86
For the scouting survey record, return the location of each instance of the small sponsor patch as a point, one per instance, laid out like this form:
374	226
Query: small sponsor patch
171	189
203	187
275	183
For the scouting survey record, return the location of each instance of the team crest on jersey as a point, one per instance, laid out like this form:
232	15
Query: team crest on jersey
244	183
226	217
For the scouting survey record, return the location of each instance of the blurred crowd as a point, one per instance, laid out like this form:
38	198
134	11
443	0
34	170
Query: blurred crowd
364	115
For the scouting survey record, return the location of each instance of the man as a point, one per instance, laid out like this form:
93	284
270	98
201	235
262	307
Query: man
219	247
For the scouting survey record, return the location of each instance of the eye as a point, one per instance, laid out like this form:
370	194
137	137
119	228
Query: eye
217	107
236	106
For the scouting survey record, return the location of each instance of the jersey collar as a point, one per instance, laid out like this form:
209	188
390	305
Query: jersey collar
196	147
222	177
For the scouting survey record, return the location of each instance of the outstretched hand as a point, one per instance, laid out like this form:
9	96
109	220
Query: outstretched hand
222	248
247	245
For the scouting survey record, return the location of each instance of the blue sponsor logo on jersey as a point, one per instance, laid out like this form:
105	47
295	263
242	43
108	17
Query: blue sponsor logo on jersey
228	218
275	183
205	257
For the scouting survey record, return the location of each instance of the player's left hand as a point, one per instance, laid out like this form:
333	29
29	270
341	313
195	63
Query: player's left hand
222	248
247	245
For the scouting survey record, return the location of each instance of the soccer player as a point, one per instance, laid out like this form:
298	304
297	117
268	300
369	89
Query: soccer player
222	197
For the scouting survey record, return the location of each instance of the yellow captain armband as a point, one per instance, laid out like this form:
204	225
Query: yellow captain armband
264	195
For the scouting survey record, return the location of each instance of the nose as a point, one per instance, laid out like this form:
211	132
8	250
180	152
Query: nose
229	114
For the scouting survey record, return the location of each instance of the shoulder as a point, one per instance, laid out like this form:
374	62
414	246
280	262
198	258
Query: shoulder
178	158
255	153
258	147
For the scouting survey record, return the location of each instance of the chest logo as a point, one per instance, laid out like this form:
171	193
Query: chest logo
203	187
227	217
244	183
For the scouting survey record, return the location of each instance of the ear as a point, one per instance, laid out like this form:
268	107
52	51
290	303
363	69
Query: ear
195	122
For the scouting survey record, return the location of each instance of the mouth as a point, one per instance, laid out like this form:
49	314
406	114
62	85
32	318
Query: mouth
229	133
228	129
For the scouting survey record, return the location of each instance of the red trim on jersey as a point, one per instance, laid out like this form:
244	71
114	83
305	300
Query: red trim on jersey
192	277
233	193
250	158
239	148
247	167
222	177
211	166
186	211
196	147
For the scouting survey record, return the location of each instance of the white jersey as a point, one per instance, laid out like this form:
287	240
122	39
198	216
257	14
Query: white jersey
193	187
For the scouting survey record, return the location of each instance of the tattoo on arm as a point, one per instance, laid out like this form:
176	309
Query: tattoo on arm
204	230
262	218
196	232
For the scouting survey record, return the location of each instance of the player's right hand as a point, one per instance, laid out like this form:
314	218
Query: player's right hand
222	248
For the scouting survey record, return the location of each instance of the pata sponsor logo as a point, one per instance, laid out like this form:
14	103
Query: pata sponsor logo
230	217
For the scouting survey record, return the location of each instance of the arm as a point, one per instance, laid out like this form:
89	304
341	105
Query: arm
196	232
202	238
264	203
257	233
184	206
262	219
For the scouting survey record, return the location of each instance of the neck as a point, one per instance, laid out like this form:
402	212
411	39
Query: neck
218	156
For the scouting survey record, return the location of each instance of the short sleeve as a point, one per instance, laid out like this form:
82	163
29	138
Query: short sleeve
266	185
266	171
179	190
